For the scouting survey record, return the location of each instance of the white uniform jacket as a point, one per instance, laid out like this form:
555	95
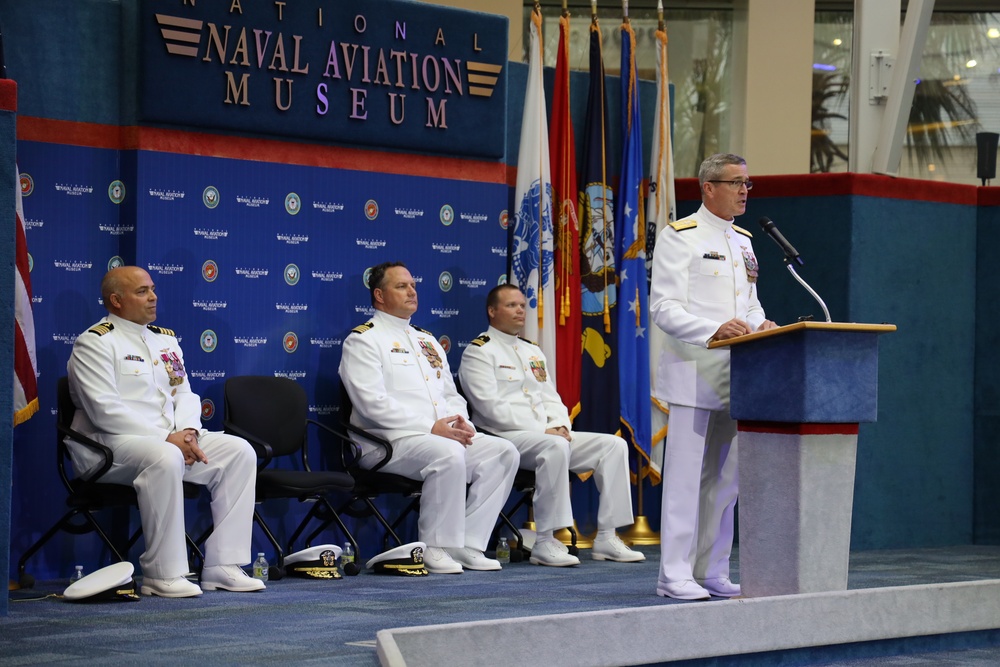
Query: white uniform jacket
507	381
398	378
128	380
704	274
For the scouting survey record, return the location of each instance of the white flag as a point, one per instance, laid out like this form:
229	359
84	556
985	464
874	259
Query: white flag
661	209
532	258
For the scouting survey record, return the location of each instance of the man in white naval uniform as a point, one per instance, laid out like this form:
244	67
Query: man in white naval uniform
704	288
399	381
128	381
507	384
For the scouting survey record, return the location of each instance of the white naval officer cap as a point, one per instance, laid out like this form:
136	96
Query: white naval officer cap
406	560
111	583
314	563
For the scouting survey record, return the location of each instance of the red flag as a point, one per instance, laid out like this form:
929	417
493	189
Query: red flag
25	381
562	152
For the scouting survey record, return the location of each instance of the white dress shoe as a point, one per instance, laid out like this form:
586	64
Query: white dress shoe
176	587
721	587
681	590
439	561
473	559
552	552
230	578
615	549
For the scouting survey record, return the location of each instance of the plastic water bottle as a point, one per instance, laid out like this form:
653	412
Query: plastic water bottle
260	567
347	555
77	575
503	551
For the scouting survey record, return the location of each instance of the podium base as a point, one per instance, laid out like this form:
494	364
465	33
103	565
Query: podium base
582	542
639	533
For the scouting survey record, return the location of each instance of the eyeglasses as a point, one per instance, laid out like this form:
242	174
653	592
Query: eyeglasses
737	184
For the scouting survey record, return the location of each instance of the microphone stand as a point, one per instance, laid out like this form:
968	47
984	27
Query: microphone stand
791	269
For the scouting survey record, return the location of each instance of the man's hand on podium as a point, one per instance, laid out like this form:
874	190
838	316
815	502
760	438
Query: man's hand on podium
736	327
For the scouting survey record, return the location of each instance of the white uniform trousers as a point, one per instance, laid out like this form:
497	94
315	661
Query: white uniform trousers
450	516
552	457
155	468
700	487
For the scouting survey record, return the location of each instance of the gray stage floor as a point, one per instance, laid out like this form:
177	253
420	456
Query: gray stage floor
302	622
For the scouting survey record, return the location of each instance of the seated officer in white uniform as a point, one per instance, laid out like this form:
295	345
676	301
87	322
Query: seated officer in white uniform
505	380
398	379
127	379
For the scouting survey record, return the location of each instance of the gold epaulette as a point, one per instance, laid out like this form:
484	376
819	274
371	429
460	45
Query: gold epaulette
528	341
361	328
423	331
101	329
161	330
481	340
681	225
740	230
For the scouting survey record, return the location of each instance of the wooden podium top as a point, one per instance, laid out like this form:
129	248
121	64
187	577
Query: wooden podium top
799	326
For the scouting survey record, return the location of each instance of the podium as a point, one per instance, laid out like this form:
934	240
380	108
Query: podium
798	393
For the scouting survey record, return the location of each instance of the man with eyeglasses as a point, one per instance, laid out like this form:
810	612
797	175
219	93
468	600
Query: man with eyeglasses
704	288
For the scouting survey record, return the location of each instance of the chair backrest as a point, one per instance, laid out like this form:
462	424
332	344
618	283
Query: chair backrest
65	408
273	409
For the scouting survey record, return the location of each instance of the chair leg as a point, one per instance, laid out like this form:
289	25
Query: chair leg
413	506
332	516
65	523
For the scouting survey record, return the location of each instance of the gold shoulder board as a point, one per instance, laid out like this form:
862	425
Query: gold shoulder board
423	331
528	341
481	340
101	329
681	225
740	230
361	328
161	330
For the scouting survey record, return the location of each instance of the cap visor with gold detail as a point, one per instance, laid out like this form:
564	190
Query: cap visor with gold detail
406	560
314	563
109	584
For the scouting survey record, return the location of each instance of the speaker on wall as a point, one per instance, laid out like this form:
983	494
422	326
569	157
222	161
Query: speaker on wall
986	155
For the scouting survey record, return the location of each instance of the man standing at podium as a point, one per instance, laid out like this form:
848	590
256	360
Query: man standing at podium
704	288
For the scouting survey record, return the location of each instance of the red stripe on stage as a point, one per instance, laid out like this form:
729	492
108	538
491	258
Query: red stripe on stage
8	95
871	185
94	135
785	428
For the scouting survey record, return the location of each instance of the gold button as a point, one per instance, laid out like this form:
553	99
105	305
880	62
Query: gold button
737	292
716	273
156	361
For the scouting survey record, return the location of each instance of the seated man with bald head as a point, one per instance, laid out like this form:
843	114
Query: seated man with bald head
128	382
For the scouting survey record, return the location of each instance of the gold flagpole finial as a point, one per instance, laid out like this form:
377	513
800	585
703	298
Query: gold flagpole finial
593	9
659	13
624	11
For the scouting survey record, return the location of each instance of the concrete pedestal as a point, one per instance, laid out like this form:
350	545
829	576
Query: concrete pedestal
796	497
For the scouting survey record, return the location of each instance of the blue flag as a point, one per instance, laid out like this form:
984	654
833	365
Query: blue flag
630	253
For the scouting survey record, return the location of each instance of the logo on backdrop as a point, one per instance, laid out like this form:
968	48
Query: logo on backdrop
364	277
292	204
502	280
27	184
447	215
446	248
291	342
371	209
474	218
210	271
445	343
116	192
208	340
210	197
292	274
503	219
115	262
207	409
445	281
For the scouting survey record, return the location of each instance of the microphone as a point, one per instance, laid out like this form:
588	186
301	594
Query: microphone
791	254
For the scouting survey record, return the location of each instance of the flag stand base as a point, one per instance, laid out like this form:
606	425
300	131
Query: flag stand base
639	533
566	537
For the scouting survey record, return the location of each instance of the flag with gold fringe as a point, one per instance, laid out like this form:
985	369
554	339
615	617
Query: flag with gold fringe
25	363
661	210
599	363
630	253
532	252
562	154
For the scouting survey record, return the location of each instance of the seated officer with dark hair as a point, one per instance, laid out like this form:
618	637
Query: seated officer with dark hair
398	379
507	384
127	378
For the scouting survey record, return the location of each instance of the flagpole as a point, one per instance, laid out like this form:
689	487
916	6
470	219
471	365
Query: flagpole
640	532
